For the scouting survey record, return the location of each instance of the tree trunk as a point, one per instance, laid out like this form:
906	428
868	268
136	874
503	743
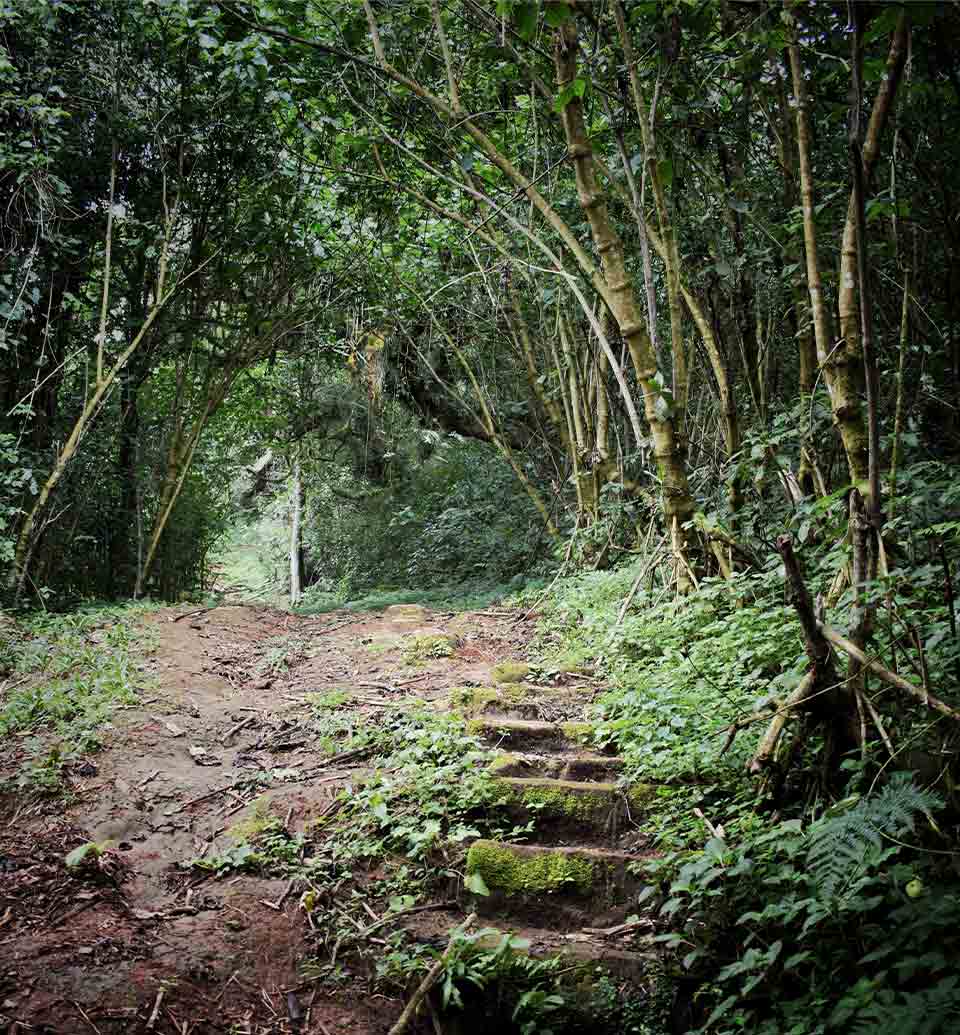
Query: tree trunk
678	504
296	538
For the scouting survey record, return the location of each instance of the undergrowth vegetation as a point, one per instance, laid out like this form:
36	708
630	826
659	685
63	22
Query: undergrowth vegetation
803	898
64	676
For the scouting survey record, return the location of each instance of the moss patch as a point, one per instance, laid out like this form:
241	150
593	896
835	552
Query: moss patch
557	798
503	869
578	732
260	820
470	700
380	646
330	700
420	648
501	762
509	672
513	691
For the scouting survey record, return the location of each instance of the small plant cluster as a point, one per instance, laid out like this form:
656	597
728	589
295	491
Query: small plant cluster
680	672
68	675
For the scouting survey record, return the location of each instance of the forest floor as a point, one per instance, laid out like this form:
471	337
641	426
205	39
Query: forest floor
141	941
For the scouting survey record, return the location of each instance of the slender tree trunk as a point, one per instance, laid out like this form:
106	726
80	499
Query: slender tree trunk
678	503
296	538
837	373
179	459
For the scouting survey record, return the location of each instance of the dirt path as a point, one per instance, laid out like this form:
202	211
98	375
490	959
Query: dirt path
143	944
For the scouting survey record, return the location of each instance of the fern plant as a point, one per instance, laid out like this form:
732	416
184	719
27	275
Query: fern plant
844	925
845	845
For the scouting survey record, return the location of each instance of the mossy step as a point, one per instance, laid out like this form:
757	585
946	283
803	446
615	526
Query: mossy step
514	701
517	733
578	950
574	946
581	766
519	869
564	887
406	614
570	808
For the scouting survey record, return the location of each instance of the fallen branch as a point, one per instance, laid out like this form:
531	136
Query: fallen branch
193	614
433	975
236	729
839	640
620	929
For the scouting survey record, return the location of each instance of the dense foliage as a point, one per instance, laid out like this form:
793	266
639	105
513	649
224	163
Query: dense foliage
659	297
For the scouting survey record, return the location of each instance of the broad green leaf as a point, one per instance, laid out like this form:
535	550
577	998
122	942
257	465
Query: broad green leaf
475	883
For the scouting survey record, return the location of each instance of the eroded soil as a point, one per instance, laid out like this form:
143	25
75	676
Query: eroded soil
141	943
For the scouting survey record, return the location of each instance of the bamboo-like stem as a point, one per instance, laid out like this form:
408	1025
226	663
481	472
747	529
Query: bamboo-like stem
107	251
898	412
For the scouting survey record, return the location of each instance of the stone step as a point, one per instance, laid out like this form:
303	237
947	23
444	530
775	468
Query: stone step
627	958
580	766
516	701
517	734
580	872
568	809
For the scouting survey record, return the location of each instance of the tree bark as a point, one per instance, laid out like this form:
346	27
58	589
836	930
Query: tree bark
677	503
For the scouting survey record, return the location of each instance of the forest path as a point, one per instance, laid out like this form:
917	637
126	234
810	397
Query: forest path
227	723
230	703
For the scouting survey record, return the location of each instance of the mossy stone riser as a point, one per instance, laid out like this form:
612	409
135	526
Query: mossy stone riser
572	809
565	887
516	734
584	766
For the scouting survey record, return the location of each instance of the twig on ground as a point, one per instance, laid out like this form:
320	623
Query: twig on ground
152	1022
234	730
192	614
83	1014
433	975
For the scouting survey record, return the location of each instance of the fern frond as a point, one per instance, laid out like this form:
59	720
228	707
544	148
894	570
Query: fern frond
841	845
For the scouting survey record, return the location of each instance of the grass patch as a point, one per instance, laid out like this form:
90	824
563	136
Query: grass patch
66	676
465	596
421	648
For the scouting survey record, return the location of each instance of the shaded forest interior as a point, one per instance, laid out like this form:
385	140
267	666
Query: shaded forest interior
640	318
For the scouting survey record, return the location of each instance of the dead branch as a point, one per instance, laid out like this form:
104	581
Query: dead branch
768	743
839	640
433	975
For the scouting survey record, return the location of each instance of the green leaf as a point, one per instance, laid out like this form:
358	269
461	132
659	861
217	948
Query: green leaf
575	89
527	21
556	14
476	884
207	42
85	853
665	172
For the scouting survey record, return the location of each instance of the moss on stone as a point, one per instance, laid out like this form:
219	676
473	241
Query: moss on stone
553	798
501	762
514	692
578	732
503	869
470	700
510	672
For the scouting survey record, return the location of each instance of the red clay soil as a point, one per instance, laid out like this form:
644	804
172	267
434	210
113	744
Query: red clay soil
137	942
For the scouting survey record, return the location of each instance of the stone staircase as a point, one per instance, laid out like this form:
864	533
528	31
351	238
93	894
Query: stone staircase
570	883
